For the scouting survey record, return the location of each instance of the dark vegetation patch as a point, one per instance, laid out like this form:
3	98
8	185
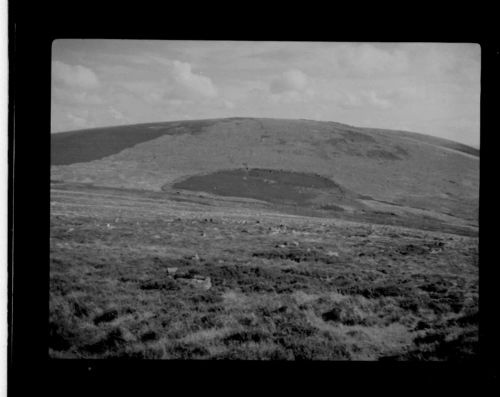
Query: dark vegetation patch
332	207
297	255
440	340
464	148
360	144
251	279
94	144
263	184
436	141
380	154
166	284
401	151
357	137
375	291
107	316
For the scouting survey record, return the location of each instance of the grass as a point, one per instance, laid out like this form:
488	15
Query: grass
283	288
97	143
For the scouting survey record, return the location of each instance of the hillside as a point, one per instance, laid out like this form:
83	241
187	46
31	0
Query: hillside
378	171
262	239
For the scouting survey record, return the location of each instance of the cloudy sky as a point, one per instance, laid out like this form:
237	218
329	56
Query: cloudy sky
432	88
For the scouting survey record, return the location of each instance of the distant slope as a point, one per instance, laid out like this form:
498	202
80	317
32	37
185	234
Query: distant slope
94	144
445	143
386	171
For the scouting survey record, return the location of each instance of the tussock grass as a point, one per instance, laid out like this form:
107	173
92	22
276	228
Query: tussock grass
296	301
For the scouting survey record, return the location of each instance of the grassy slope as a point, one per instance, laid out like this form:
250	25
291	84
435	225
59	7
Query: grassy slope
383	165
93	144
283	287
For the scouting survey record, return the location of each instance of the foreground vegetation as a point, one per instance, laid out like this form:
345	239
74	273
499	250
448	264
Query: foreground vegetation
133	276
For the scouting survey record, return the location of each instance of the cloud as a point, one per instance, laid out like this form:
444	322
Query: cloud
291	86
77	121
74	76
291	80
363	99
366	59
70	96
189	85
176	83
116	114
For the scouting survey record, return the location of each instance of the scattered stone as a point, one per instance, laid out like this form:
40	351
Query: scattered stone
107	316
204	283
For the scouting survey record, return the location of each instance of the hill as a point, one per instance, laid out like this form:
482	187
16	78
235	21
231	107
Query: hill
378	171
262	239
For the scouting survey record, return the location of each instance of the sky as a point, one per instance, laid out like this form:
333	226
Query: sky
431	88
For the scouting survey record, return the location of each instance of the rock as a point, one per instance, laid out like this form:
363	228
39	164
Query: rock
204	283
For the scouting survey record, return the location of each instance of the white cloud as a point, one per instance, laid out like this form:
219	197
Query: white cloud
291	80
366	59
116	114
77	121
362	100
176	84
189	85
291	86
288	97
79	97
74	76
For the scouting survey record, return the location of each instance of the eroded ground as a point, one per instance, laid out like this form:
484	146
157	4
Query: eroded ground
124	266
